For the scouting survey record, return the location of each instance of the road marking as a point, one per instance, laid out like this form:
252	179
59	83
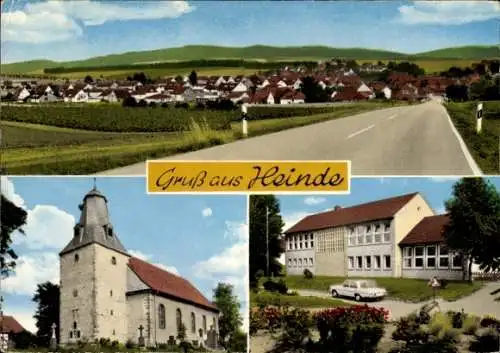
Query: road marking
360	131
392	117
468	157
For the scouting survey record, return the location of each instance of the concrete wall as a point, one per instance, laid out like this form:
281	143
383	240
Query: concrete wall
404	221
331	261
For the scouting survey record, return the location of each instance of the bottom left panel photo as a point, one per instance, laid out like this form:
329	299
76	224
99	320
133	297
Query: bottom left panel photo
92	263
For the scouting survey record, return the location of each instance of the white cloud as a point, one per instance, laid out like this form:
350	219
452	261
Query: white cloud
206	212
148	258
47	227
312	201
31	270
7	190
440	210
236	231
292	219
448	12
231	261
51	21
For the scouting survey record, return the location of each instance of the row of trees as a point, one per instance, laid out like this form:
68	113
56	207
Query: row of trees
474	229
487	89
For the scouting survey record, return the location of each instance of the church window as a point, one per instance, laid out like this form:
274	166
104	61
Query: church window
75	293
71	334
110	231
200	332
77	257
193	323
111	293
74	325
179	319
111	312
204	323
214	324
161	316
113	260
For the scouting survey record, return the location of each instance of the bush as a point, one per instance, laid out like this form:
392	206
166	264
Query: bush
471	324
308	274
489	321
272	317
357	328
441	341
130	344
296	327
487	341
257	321
457	319
276	286
408	330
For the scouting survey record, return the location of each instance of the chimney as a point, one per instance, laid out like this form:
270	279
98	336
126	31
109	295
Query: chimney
336	208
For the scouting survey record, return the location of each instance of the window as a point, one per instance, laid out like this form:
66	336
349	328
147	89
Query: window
161	316
311	261
74	325
295	245
305	262
444	257
111	312
290	262
300	262
312	244
419	256
77	257
387	232
111	293
360	238
456	261
214	323
200	333
114	332
359	262
368	262
305	244
76	231
204	323
350	262
178	317
387	262
75	293
377	263
300	245
352	236
295	262
193	323
369	238
407	257
431	257
113	260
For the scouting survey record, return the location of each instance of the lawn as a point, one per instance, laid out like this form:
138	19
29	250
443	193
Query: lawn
406	289
484	147
41	149
263	298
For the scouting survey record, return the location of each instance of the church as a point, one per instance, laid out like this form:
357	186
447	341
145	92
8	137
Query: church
107	293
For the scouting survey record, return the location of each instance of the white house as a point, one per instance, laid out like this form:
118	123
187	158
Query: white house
75	96
240	87
22	94
387	92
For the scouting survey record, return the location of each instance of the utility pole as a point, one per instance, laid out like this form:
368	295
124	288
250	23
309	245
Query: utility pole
267	240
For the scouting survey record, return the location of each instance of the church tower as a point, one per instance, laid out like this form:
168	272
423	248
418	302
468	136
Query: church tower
93	271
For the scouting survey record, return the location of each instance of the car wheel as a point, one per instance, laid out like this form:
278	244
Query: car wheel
334	293
357	298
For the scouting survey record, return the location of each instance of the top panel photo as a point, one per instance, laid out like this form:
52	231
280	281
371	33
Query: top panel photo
397	88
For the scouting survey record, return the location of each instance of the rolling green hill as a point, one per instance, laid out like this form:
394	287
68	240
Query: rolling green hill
256	52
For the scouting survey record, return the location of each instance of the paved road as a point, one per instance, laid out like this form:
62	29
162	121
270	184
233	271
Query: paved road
410	140
480	303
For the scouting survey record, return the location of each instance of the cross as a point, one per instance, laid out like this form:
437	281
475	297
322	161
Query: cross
141	328
54	330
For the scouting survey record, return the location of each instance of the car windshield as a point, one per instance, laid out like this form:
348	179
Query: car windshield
368	284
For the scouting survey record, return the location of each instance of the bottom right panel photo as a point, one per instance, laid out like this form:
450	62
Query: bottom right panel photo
397	265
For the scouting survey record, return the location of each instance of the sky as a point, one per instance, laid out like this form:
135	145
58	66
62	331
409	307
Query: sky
202	238
70	30
434	190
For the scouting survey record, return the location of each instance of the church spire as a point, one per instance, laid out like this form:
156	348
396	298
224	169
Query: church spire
94	226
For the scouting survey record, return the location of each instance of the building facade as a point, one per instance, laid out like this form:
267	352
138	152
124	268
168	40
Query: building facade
106	293
371	240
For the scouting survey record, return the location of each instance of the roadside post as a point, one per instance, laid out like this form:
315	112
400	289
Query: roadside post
479	117
244	122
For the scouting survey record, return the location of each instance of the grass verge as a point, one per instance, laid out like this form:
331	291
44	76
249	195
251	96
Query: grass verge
263	298
484	147
111	152
405	289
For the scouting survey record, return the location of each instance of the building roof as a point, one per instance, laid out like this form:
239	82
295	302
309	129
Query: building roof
166	283
9	324
428	231
94	226
371	211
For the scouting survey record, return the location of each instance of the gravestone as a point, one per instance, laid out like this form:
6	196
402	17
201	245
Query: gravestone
212	338
53	338
141	337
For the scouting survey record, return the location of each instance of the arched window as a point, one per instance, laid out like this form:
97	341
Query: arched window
161	316
200	332
75	293
214	324
113	260
179	319
77	257
204	323
74	325
193	323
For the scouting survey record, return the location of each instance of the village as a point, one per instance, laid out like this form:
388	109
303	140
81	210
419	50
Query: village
339	82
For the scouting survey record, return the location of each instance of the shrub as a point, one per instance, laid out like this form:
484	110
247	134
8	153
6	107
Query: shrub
489	321
130	344
440	321
256	320
471	324
457	319
408	330
308	274
115	344
441	341
282	287
296	327
273	286
272	317
487	341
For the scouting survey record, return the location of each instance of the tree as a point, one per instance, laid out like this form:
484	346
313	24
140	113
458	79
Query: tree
88	79
193	78
129	102
47	312
457	93
23	340
230	320
140	77
237	342
474	226
258	248
179	79
313	91
13	219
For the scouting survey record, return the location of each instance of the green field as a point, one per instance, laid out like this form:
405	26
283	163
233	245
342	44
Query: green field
264	298
484	147
433	61
36	146
407	289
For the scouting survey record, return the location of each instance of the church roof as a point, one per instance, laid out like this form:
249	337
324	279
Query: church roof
94	226
167	283
9	324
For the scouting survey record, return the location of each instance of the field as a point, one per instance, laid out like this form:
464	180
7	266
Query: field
35	142
406	289
484	147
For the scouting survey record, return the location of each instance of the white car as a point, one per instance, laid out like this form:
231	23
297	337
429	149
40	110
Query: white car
358	289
